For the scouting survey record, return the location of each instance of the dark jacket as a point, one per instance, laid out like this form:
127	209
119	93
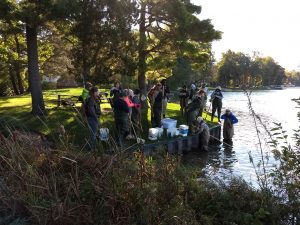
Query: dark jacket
92	108
183	93
195	104
121	109
217	94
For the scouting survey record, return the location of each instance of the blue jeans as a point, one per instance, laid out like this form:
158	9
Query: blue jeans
93	127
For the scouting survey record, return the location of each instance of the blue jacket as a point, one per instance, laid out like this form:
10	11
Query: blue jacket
232	118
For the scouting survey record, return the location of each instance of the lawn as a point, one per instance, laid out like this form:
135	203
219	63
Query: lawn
15	114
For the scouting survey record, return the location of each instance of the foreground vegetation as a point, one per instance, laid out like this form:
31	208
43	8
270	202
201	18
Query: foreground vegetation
66	187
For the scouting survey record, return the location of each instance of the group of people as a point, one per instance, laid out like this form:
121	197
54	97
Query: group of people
126	106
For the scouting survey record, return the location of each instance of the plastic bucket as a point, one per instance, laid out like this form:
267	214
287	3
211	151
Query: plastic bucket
168	123
104	134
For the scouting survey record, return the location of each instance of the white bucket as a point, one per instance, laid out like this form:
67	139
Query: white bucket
104	134
160	131
153	134
171	132
168	123
183	130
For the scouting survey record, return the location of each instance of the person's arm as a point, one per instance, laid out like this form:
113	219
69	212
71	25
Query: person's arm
234	119
223	117
111	93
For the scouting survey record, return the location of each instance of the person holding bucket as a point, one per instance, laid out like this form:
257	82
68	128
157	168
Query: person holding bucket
93	112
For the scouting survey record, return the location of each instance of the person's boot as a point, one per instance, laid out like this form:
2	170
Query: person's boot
164	115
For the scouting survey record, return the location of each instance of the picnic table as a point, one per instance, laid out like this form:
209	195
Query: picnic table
71	100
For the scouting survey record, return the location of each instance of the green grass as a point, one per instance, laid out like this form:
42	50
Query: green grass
15	113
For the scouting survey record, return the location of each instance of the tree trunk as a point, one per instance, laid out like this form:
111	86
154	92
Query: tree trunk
13	80
35	87
86	71
142	66
17	66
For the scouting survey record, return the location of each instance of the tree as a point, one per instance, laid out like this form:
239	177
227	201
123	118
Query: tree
104	43
168	23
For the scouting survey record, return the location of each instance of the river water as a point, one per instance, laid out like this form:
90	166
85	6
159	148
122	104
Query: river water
224	162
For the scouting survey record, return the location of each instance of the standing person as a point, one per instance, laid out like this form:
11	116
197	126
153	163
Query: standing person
192	92
216	98
193	109
128	99
121	114
85	92
136	112
115	92
201	94
183	96
93	112
166	94
156	106
228	130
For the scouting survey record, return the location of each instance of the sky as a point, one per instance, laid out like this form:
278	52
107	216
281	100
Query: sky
271	27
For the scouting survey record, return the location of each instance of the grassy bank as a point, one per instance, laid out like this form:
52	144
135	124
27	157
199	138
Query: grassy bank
15	113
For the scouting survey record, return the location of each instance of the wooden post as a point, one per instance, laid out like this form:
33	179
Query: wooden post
58	100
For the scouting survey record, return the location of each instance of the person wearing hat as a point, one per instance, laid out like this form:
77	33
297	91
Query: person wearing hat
93	112
229	121
121	114
216	99
204	134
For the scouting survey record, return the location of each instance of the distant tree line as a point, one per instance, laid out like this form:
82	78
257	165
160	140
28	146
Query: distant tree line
239	69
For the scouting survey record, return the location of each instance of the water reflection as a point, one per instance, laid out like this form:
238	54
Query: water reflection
226	160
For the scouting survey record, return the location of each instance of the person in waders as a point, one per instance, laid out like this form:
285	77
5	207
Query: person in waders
228	130
121	114
156	106
204	134
183	97
92	112
193	108
166	93
216	99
